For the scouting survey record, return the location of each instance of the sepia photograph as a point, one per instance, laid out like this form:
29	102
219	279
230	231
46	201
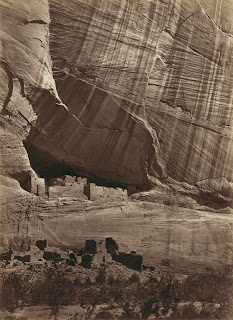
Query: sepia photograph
116	159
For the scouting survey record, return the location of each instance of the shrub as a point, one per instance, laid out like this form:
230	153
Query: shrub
134	278
104	315
101	278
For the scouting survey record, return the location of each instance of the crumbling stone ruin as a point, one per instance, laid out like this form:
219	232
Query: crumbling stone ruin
111	245
130	260
106	251
20	244
101	255
72	260
95	252
86	261
50	255
41	244
91	247
35	185
22	250
67	186
75	187
95	192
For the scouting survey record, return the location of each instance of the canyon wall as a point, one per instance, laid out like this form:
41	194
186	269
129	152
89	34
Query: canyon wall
126	91
170	238
172	59
121	90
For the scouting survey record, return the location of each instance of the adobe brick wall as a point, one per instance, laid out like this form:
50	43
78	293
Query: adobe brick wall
81	180
74	187
98	193
38	186
73	190
56	182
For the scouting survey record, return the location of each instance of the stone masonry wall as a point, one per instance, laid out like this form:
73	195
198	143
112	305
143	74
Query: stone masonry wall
95	193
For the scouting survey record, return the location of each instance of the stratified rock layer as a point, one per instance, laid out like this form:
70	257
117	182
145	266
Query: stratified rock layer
138	90
172	58
141	89
171	238
25	62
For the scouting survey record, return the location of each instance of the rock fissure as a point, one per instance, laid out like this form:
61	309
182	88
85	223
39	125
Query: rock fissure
42	44
227	128
186	110
134	116
10	83
37	21
11	77
214	23
193	50
188	17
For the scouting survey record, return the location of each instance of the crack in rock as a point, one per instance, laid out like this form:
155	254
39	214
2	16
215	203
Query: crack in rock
10	83
38	21
11	76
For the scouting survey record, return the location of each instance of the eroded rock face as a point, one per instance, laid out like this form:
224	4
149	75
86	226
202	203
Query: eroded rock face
137	89
125	91
171	58
25	62
169	238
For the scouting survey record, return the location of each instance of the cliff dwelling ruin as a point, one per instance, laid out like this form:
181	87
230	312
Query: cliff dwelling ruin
116	157
74	187
104	251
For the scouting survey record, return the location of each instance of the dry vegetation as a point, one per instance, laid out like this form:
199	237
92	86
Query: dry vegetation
116	292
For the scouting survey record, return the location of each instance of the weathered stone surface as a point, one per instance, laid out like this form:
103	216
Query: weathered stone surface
217	186
99	193
72	190
25	62
190	239
137	89
171	58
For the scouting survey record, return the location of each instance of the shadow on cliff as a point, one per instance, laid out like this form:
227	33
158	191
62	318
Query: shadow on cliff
47	167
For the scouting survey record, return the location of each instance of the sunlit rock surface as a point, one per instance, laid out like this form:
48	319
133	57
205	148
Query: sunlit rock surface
169	237
25	62
172	58
138	89
192	241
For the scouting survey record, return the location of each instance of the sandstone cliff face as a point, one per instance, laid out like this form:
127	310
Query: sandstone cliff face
172	58
171	239
25	62
125	91
138	89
